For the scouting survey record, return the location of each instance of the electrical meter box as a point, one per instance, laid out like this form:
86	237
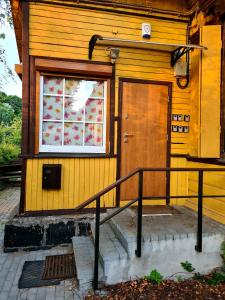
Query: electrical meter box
51	176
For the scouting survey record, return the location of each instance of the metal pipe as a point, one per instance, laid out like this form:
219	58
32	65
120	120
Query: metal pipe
198	247
118	211
139	214
97	232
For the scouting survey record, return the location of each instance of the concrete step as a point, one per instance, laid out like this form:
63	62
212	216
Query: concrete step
160	228
166	242
113	256
84	260
128	237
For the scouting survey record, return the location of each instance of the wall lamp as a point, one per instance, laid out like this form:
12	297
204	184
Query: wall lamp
113	54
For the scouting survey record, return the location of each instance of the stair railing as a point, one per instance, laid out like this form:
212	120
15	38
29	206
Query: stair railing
140	171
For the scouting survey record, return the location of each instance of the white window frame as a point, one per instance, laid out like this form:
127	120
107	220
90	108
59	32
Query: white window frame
71	148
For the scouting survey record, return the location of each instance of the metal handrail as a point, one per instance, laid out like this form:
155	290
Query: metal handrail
106	190
124	178
140	198
118	211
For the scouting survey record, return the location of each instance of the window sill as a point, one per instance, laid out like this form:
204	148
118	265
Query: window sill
69	155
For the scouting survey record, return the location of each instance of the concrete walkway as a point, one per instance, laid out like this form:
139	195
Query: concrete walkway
9	206
11	264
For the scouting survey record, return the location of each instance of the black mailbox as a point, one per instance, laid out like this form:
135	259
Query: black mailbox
51	177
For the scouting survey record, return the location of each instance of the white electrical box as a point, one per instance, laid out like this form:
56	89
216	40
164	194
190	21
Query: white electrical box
146	30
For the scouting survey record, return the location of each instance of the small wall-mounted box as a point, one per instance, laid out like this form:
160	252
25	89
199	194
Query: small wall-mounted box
51	176
174	128
186	118
146	30
180	118
180	129
174	117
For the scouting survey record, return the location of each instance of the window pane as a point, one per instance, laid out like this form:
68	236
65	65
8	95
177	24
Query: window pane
71	86
73	134
52	109
53	85
98	89
52	133
74	110
94	110
83	89
93	135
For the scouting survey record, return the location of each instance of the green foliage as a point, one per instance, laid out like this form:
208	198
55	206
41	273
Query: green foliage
6	114
187	266
10	139
11	134
198	276
217	278
10	127
8	152
154	277
14	102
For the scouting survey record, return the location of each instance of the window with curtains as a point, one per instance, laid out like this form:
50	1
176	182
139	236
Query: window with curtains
72	115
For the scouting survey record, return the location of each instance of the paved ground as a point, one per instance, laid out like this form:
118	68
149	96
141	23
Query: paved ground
11	264
9	204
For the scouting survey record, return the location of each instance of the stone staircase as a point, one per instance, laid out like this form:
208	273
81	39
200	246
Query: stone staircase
167	241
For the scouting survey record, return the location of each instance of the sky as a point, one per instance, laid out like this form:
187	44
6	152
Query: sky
9	44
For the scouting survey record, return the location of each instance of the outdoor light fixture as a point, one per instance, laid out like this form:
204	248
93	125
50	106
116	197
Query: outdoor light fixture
113	53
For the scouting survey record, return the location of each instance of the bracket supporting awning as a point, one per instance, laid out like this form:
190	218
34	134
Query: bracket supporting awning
176	50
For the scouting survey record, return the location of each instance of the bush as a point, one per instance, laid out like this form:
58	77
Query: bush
10	127
8	152
10	139
11	134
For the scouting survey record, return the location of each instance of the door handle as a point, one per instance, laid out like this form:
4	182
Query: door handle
127	134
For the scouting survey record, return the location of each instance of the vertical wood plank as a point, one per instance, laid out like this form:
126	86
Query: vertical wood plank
210	101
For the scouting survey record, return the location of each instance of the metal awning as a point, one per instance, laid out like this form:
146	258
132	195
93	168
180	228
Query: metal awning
176	50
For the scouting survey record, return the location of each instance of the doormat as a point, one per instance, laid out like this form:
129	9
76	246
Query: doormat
158	210
59	267
32	275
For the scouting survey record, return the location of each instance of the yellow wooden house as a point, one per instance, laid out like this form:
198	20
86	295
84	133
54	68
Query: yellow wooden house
111	86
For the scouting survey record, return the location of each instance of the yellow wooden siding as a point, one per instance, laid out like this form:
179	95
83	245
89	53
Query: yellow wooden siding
205	95
178	181
81	179
194	136
210	91
70	39
213	185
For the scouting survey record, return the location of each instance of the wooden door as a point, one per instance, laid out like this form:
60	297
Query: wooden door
144	136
